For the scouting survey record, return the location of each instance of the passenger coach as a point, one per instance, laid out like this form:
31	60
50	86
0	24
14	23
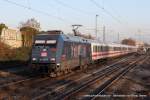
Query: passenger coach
102	51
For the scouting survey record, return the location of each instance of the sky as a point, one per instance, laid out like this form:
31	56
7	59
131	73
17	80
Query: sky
128	18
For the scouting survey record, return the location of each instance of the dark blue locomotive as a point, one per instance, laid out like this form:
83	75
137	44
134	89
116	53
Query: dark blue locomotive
57	53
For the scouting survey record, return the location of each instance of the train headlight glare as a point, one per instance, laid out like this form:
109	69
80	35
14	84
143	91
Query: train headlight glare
58	64
52	59
44	49
34	59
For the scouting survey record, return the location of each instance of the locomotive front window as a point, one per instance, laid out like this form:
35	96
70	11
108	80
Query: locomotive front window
39	41
51	42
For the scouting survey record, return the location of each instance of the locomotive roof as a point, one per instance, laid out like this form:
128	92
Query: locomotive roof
111	44
65	37
72	38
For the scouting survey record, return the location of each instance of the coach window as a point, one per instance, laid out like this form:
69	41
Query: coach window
93	48
110	48
119	48
104	48
101	48
115	48
96	48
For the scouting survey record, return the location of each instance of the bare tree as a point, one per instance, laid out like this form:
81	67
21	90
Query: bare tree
33	23
29	29
129	42
2	25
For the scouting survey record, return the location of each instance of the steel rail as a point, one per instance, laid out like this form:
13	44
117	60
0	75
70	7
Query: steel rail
83	86
97	72
108	83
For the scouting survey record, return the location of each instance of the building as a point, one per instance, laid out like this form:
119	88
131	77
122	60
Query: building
139	43
11	37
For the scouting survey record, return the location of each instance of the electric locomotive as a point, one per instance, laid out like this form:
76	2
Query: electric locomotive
57	53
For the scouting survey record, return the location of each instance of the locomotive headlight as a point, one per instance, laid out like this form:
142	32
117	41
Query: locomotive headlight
53	59
44	49
34	59
58	64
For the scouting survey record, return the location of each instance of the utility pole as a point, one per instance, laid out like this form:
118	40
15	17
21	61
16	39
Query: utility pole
104	34
140	34
118	37
96	25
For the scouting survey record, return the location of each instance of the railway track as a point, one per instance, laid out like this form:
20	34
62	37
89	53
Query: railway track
80	80
14	75
46	86
100	90
31	84
74	91
8	77
12	78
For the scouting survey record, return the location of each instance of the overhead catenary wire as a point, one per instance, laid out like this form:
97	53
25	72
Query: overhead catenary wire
117	19
73	8
37	11
29	5
106	11
118	15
